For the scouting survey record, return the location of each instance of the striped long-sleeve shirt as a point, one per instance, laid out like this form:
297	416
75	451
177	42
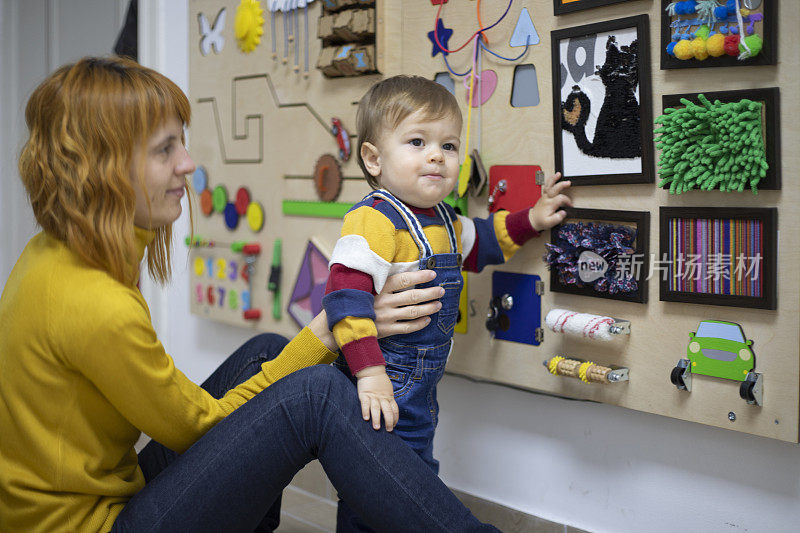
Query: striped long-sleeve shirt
376	243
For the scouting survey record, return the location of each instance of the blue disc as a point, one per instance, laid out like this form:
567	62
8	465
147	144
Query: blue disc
231	216
200	179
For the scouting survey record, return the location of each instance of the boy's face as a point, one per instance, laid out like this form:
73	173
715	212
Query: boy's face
417	161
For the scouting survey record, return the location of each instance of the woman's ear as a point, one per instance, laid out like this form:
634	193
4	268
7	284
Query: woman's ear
372	158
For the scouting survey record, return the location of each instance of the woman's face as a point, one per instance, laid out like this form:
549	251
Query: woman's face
166	163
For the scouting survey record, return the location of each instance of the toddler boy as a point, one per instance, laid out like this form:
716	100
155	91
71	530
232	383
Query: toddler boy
408	148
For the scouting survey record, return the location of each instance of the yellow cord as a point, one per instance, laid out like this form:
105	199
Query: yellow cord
466	168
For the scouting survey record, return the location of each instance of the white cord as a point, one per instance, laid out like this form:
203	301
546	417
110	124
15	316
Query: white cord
742	34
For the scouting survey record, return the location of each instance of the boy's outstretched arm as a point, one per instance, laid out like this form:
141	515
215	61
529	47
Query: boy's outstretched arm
547	212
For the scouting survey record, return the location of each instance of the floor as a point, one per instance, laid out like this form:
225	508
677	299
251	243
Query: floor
304	512
309	506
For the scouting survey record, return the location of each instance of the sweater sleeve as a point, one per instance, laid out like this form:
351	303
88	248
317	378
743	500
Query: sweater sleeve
360	264
116	348
494	240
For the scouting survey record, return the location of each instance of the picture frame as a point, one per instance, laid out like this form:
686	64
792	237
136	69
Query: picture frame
731	232
638	265
561	7
621	149
767	56
771	116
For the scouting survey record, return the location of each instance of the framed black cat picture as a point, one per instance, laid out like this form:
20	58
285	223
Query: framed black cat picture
602	112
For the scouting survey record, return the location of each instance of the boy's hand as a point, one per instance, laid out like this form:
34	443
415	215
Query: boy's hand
377	396
547	213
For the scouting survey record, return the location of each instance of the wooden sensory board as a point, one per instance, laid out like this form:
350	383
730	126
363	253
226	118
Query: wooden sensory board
294	139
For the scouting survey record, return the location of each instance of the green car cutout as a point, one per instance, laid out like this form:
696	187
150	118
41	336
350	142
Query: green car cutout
720	349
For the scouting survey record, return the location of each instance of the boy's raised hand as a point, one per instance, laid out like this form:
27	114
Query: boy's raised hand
376	395
547	212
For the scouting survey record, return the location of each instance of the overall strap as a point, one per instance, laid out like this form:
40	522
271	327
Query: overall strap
414	227
451	232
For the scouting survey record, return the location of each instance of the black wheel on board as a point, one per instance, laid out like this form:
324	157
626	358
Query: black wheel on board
676	377
746	391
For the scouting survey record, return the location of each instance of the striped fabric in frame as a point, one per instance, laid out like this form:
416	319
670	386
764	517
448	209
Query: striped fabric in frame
716	256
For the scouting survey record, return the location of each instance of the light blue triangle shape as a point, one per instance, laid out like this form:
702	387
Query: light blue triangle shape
524	30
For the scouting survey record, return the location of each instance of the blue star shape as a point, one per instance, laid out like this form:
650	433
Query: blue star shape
444	37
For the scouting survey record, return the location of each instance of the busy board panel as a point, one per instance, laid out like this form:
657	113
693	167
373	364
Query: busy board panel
669	289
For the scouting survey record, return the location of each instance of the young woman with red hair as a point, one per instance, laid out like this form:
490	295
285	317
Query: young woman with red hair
83	374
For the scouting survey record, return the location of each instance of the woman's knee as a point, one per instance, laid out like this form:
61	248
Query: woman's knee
323	381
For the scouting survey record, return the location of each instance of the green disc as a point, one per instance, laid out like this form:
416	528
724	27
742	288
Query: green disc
219	198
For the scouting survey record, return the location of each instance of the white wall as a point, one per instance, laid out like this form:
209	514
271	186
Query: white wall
594	466
36	36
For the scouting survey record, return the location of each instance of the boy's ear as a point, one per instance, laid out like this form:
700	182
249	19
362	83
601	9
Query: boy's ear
371	158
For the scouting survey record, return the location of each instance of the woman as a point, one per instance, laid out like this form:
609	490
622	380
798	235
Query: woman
82	372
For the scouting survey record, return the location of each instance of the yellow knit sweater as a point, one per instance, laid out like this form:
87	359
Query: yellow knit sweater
82	373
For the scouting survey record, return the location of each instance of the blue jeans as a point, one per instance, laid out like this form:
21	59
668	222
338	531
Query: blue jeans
231	477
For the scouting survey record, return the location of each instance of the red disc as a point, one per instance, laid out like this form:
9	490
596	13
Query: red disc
242	200
206	205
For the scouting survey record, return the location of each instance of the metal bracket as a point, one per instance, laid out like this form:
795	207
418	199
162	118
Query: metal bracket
539	287
620	327
618	374
686	375
539	179
754	395
539	335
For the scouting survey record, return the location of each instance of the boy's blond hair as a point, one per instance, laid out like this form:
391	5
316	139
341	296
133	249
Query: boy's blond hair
390	101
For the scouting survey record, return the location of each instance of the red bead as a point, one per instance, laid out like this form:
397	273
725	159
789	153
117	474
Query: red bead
252	314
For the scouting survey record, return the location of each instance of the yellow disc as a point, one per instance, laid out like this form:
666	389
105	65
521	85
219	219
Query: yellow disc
255	216
199	267
248	26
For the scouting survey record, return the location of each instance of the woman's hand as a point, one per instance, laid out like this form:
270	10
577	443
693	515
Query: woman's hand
406	311
395	312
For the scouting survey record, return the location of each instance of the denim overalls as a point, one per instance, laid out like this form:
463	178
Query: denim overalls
415	362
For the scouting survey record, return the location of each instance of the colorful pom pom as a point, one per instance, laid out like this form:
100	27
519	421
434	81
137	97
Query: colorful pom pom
721	12
683	49
671	48
732	45
754	43
699	49
686	7
716	45
702	32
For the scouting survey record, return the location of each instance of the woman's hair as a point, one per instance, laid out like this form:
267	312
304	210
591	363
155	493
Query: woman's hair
389	102
87	121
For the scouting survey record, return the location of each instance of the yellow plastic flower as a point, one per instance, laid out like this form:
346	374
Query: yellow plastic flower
248	26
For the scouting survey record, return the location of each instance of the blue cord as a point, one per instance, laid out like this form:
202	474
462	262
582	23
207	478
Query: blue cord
527	44
477	36
451	70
